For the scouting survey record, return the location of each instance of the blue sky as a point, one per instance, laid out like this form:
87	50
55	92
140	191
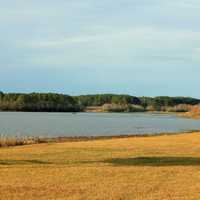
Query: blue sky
139	47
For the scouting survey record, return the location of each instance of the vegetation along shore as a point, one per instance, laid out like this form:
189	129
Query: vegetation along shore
6	141
52	102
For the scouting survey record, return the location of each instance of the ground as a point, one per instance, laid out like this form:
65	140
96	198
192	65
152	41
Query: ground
140	168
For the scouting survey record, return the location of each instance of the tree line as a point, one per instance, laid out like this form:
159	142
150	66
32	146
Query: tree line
52	102
47	102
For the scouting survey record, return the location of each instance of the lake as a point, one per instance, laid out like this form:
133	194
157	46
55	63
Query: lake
91	124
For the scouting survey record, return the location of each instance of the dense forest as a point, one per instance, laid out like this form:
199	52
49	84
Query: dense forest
52	102
48	102
101	99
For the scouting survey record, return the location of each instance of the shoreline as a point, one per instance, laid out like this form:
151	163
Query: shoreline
178	114
90	138
17	141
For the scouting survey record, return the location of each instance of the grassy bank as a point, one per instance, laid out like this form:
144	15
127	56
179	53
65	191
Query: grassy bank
6	141
142	168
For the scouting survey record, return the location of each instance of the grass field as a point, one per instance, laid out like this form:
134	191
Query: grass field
141	168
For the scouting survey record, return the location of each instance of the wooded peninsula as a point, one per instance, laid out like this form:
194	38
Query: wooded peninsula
53	102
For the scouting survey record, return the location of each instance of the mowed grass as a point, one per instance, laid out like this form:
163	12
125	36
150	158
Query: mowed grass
141	168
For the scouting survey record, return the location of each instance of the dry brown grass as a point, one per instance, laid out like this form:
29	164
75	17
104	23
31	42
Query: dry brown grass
12	141
18	141
194	112
93	109
146	168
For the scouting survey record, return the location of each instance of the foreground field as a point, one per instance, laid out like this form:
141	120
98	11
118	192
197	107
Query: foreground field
146	168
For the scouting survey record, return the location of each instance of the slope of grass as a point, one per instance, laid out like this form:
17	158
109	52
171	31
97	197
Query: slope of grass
146	168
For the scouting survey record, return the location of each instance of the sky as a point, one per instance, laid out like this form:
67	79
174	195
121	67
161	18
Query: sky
137	47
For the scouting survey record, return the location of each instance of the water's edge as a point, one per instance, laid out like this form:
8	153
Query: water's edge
16	141
89	138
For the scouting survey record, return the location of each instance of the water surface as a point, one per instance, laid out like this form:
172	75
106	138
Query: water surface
91	124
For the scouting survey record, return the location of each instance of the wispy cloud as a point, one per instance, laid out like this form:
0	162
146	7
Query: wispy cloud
138	34
142	43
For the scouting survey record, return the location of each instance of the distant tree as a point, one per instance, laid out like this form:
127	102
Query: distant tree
53	102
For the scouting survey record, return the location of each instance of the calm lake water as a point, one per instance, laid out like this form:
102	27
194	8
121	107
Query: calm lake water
91	124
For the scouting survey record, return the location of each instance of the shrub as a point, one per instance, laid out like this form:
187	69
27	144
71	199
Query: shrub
122	108
6	141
